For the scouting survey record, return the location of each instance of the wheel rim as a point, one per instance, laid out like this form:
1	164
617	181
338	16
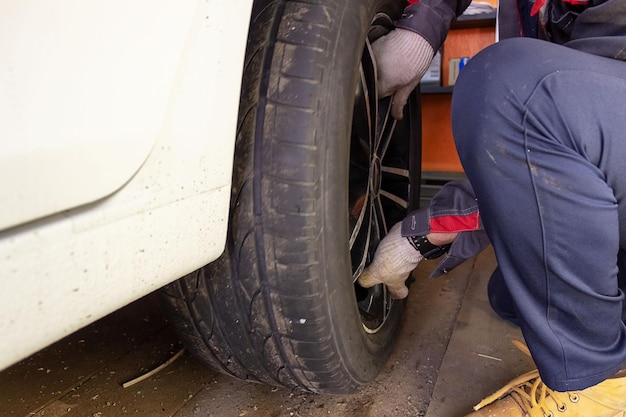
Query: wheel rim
381	173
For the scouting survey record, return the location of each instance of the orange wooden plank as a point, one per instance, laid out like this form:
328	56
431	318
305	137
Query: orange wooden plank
438	150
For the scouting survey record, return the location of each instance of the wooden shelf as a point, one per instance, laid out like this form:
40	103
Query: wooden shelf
475	21
467	37
435	89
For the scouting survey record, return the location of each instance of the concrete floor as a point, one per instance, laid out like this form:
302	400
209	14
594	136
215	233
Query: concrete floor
451	352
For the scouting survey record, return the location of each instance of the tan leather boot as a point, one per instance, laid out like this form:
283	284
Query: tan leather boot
528	396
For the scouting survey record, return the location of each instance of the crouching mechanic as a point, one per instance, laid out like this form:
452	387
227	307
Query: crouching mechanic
540	130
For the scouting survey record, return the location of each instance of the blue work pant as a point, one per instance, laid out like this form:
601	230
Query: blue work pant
541	133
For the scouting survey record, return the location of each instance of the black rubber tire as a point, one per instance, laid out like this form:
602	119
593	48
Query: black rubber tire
280	307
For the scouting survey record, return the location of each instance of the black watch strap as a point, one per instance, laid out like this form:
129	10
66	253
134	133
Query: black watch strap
427	249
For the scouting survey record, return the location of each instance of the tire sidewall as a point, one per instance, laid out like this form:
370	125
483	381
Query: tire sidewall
363	352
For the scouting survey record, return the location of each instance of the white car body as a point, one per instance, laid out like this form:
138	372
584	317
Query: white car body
118	123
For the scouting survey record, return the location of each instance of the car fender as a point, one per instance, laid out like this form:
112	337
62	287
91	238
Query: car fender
140	192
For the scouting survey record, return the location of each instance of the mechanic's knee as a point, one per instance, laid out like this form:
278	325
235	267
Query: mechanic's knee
502	65
492	75
488	94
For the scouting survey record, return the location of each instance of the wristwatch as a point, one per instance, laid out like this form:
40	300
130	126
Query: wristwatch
427	249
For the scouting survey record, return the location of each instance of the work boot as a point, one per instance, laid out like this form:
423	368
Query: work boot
528	396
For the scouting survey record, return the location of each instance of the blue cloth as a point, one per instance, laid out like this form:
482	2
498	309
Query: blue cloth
541	133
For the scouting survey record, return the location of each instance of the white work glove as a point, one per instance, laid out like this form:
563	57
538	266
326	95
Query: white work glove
394	260
402	58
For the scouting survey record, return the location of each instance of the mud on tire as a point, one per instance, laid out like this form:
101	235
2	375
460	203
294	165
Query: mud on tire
321	172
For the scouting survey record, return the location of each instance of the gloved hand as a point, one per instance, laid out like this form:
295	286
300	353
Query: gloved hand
394	259
402	58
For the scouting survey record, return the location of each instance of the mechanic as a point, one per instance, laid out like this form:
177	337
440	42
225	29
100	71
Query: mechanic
538	121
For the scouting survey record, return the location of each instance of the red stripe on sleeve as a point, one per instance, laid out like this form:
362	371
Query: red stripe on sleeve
455	223
537	6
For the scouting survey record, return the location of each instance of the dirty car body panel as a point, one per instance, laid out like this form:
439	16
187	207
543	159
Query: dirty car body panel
117	123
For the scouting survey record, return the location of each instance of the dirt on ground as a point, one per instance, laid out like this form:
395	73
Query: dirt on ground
130	363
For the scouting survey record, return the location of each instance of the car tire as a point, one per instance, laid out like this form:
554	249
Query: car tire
321	172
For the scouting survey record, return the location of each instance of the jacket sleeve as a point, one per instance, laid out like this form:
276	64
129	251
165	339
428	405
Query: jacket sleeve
599	29
453	209
432	18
